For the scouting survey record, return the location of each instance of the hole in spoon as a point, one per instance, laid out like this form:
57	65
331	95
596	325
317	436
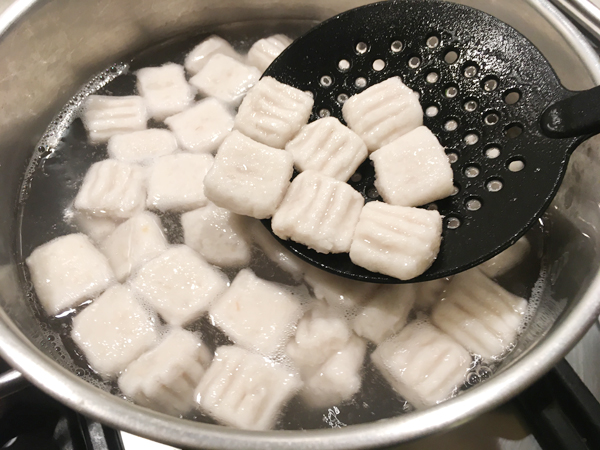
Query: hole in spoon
360	82
470	105
490	83
414	62
326	81
451	125
451	56
362	48
494	185
372	193
513	130
453	223
432	77
473	204
433	41
471	171
512	96
470	70
432	111
516	165
492	152
452	157
343	65
396	46
491	118
378	65
471	138
451	91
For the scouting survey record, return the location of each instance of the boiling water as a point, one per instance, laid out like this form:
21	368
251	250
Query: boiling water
55	174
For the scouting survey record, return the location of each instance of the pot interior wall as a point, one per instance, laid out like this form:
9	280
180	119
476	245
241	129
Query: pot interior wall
59	45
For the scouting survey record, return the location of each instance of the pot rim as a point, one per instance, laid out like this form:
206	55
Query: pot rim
106	408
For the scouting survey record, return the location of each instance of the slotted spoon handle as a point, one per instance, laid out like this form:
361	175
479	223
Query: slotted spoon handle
578	115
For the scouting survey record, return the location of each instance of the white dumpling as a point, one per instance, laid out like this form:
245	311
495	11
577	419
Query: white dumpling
264	51
68	270
245	390
141	146
179	284
164	90
166	377
176	182
256	314
319	212
398	241
105	116
112	188
328	147
96	228
248	177
383	112
114	330
480	314
272	112
320	333
201	128
225	78
385	313
328	355
423	365
134	242
201	53
506	260
339	378
217	234
413	170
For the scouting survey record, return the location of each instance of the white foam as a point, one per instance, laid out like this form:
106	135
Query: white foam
534	301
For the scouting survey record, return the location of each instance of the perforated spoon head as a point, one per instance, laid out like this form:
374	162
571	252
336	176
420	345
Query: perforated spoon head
483	87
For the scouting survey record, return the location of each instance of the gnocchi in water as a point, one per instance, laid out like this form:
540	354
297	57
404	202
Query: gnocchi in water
224	322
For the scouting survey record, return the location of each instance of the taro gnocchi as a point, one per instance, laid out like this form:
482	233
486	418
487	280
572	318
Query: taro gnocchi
212	313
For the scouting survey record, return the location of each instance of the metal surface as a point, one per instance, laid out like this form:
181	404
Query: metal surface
584	12
11	382
503	63
59	44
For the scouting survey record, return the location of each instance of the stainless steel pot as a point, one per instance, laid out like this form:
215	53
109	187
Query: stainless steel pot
50	47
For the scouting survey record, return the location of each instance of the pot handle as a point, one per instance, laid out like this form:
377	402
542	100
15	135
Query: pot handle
11	381
561	411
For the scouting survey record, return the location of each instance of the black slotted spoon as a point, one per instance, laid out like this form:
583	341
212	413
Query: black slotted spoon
489	96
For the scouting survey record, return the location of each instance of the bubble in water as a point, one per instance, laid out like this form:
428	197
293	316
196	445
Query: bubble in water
71	110
534	301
